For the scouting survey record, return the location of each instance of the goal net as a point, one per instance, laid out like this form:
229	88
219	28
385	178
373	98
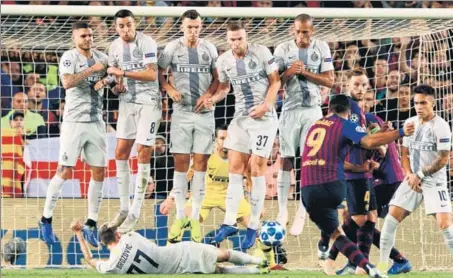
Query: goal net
398	48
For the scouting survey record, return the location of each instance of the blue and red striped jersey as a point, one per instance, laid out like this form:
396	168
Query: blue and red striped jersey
357	155
390	170
325	149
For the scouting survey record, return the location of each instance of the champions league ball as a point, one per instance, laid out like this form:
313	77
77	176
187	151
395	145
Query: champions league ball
272	233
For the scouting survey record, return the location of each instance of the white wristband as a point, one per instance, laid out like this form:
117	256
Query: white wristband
420	174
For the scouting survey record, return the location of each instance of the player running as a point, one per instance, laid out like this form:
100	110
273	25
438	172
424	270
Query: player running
306	64
424	158
83	129
252	71
133	61
323	186
192	62
131	253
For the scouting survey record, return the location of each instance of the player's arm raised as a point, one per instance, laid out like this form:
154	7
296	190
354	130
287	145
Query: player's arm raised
76	227
358	135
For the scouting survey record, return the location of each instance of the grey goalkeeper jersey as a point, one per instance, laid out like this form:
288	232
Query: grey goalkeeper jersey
317	58
82	102
424	144
248	76
134	56
192	69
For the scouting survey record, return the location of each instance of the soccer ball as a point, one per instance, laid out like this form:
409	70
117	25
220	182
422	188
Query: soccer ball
272	233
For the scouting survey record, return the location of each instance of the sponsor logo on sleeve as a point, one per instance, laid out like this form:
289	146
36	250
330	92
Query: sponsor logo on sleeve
271	61
150	55
328	60
444	140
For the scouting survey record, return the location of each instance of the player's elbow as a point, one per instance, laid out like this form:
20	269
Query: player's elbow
330	80
368	143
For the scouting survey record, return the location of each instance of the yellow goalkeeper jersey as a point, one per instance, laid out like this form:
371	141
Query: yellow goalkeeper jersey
216	177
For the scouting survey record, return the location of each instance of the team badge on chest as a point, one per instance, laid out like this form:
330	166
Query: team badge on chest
205	56
252	64
314	57
137	53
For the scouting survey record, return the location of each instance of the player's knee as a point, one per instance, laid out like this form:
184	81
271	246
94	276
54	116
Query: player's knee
182	162
98	173
287	163
223	255
444	220
64	172
200	162
398	213
144	153
258	166
121	153
359	219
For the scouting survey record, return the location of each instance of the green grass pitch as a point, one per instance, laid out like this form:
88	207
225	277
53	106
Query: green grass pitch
67	273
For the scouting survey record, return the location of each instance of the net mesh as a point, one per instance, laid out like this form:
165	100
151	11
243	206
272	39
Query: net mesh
397	54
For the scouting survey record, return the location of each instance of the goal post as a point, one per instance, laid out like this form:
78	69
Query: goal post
398	48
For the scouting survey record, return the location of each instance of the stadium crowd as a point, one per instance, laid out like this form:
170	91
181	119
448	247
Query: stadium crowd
32	98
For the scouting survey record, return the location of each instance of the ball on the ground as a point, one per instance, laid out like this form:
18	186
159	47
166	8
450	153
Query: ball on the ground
272	233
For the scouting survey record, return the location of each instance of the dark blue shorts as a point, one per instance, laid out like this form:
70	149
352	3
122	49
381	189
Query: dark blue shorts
322	201
384	194
361	197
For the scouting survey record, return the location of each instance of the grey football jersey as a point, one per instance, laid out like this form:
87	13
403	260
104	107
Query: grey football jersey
134	56
423	145
83	103
248	76
135	254
317	58
192	69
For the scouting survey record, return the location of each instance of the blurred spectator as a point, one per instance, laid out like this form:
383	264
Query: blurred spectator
36	98
397	110
379	81
162	168
393	81
16	123
33	122
13	70
7	91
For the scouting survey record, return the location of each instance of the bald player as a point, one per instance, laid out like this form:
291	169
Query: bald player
133	63
83	129
306	65
252	71
192	62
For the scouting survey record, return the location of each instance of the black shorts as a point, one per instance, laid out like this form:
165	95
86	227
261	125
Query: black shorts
361	197
321	202
384	194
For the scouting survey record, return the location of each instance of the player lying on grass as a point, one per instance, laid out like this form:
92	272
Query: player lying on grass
132	253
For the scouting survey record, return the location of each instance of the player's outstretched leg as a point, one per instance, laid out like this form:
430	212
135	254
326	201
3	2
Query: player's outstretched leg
235	193
53	192
123	177
241	258
299	220
89	229
198	193
283	185
179	192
